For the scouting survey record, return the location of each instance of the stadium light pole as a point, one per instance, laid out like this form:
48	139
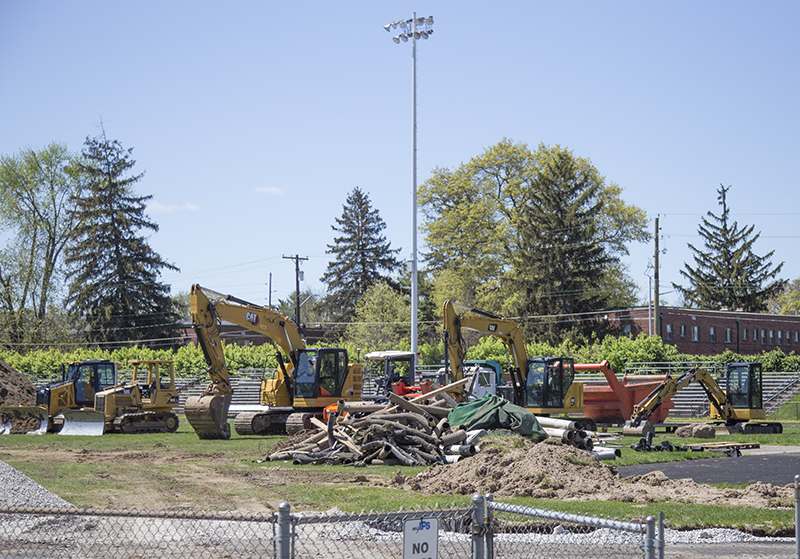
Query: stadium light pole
413	29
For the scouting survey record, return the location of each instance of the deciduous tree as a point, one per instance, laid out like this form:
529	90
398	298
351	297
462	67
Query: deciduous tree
521	232
36	192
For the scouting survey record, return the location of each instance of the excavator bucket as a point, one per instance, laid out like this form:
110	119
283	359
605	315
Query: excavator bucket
208	415
640	430
23	419
82	422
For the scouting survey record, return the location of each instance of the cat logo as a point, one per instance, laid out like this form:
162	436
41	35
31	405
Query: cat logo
252	318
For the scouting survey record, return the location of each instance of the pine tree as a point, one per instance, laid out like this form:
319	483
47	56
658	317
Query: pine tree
362	256
727	273
558	263
114	291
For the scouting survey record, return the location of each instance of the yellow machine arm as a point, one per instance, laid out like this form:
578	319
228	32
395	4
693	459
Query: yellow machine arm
488	324
717	397
208	413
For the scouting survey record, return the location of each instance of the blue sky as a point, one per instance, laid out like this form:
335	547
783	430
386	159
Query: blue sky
254	120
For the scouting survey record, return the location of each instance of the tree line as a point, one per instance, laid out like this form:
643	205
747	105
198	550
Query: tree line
534	234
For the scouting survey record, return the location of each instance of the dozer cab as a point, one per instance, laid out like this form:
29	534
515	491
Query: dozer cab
740	406
65	407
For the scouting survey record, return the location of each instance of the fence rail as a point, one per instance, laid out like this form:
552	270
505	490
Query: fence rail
482	531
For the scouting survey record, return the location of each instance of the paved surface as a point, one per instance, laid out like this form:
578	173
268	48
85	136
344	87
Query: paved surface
777	465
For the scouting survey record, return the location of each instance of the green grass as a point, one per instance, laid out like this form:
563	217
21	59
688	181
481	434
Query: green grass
113	469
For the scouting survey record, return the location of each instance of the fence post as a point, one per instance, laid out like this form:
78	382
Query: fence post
661	536
284	531
797	516
478	526
489	527
650	538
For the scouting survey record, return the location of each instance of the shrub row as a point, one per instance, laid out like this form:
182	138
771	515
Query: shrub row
189	360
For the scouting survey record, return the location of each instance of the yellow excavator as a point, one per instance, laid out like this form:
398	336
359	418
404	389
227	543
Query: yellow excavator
544	386
740	405
307	379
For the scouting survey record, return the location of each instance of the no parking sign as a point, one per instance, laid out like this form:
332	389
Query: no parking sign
421	538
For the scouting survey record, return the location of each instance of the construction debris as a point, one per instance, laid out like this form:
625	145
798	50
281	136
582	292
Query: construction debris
418	431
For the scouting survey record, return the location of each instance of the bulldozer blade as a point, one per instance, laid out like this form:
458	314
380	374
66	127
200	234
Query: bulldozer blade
23	419
83	422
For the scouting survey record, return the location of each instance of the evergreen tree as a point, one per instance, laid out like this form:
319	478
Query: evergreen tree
362	256
727	273
114	290
558	264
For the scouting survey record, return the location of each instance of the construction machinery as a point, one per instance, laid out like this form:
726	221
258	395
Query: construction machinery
307	379
392	371
544	386
740	406
66	407
90	400
145	404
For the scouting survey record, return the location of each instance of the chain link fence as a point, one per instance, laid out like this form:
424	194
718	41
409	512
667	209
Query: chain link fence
483	531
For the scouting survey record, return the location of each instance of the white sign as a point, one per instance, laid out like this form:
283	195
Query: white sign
421	538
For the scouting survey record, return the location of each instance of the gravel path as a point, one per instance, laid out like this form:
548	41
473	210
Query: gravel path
18	490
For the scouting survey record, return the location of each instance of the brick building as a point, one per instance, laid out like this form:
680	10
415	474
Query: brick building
704	332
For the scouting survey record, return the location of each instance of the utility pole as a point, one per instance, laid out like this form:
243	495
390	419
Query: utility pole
297	260
656	317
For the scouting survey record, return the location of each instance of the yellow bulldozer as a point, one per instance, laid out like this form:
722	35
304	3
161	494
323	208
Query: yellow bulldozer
90	400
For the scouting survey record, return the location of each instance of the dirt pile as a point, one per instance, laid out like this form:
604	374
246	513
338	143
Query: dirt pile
557	471
15	388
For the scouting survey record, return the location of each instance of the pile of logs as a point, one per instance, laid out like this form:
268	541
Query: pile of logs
403	432
411	432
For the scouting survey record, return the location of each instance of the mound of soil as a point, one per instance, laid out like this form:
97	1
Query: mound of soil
15	388
558	471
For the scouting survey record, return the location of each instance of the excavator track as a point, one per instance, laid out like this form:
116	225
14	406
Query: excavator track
261	423
298	421
146	422
208	415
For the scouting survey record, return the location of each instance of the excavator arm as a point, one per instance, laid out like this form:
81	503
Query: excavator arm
717	397
488	324
208	414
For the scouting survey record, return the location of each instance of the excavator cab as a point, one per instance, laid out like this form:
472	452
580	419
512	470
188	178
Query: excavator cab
547	381
744	385
320	373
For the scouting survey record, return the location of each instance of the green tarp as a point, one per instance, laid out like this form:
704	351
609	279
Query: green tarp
494	412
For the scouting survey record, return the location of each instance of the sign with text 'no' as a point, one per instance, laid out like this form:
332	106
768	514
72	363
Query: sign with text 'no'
421	538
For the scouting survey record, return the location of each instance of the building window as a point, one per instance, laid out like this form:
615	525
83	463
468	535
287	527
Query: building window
683	330
763	337
797	336
669	332
695	333
712	332
780	337
728	335
744	334
788	337
772	337
626	330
